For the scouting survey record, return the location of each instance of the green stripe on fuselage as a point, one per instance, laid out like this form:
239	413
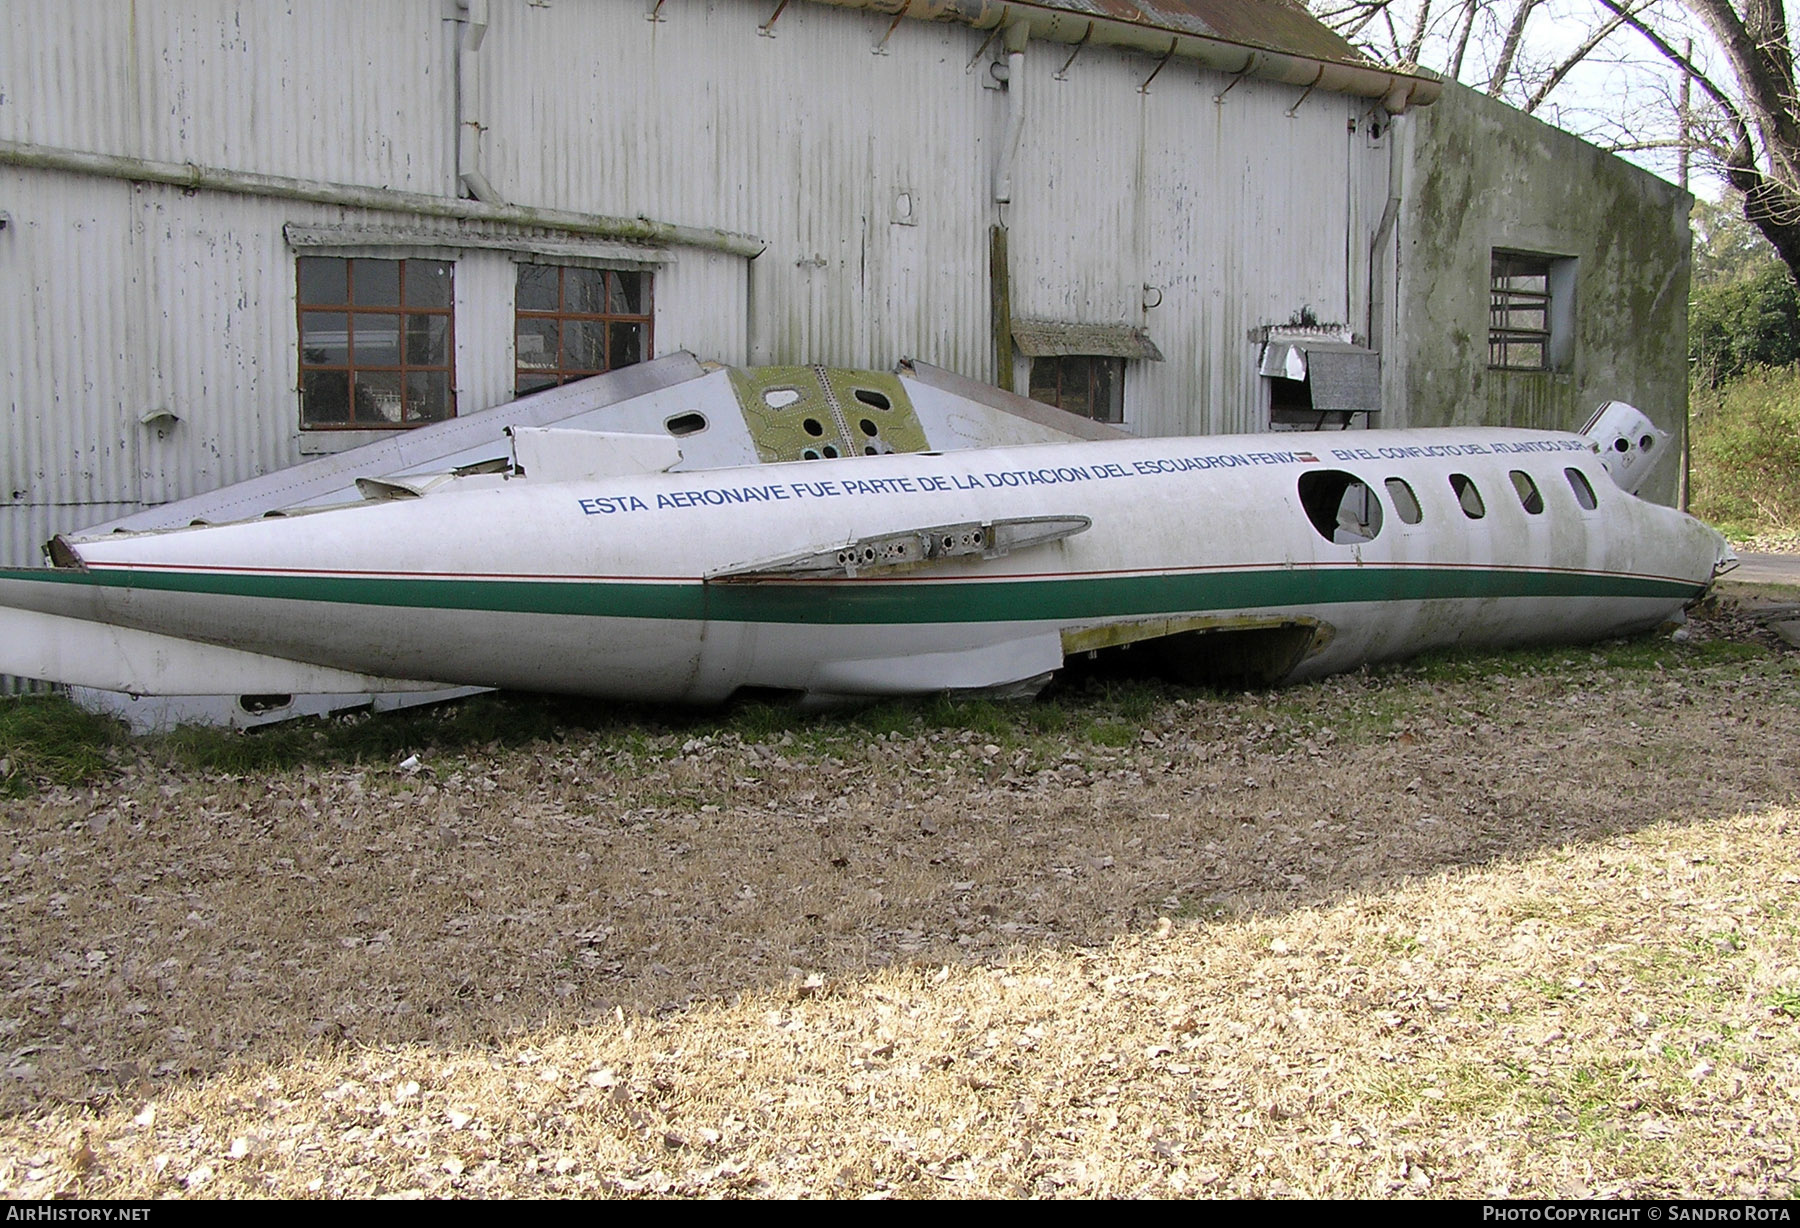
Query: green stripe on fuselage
865	602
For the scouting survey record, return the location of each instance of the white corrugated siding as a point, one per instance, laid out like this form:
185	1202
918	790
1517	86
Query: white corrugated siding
804	138
703	306
24	529
1237	212
1240	215
70	346
353	91
117	300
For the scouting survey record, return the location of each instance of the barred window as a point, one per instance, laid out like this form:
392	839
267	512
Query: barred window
1529	315
575	322
377	341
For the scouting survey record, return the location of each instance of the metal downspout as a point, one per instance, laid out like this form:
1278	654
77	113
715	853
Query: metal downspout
1390	216
474	23
999	262
1016	36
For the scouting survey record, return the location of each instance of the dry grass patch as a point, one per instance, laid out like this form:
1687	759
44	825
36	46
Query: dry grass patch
1449	931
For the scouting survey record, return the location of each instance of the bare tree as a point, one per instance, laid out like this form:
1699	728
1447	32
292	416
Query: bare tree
1509	49
1561	71
1755	101
1745	121
1420	33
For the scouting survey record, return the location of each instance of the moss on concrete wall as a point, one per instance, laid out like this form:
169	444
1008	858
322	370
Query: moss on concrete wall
1480	176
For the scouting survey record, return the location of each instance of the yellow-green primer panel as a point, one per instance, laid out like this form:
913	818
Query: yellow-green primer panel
810	413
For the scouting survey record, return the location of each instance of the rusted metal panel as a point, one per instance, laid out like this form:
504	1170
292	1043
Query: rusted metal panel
1276	25
1275	40
1037	338
1280	25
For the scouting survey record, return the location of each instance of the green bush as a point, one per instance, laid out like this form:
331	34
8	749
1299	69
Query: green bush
1739	326
1745	440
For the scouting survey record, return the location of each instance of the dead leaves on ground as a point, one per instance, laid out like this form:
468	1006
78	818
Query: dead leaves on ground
1515	935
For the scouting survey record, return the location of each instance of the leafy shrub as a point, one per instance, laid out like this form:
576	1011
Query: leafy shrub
1739	326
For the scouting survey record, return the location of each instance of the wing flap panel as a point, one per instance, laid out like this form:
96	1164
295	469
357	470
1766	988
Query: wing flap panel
910	548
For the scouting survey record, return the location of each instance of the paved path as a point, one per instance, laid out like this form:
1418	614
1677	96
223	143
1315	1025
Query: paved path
1765	569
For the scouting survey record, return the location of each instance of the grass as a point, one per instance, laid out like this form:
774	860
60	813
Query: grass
1745	446
1637	653
46	739
1462	930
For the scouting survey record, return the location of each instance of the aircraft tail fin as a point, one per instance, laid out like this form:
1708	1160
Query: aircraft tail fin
1630	445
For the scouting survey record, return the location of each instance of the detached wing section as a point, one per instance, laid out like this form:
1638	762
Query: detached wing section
909	549
77	652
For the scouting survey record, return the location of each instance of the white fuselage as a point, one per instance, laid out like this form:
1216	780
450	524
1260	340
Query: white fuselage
613	586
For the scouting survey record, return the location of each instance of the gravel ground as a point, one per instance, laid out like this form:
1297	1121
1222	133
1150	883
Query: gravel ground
1519	926
1783	543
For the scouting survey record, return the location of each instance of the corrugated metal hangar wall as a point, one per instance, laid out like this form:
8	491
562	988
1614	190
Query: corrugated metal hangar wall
796	183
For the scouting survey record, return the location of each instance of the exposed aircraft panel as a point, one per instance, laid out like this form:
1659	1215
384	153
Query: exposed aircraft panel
814	413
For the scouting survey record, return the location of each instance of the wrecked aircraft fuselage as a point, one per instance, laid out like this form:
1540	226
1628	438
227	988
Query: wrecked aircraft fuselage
586	566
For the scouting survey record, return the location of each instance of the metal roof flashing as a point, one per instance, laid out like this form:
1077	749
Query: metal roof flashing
1275	40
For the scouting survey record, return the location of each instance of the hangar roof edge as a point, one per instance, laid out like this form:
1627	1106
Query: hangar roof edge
1272	39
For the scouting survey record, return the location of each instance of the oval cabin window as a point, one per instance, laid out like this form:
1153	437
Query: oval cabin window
1406	503
1527	490
1584	493
1467	496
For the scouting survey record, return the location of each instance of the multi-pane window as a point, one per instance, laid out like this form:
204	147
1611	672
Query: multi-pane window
376	342
1519	312
1093	387
576	322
